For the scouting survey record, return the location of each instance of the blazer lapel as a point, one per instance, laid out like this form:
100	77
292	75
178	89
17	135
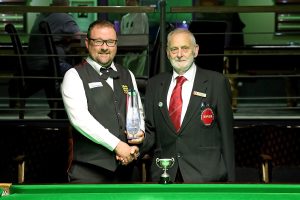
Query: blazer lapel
163	106
200	85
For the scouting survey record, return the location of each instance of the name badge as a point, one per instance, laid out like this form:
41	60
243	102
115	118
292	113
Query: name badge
95	84
200	94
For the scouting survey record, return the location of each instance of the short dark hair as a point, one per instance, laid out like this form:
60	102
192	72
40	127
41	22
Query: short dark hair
102	23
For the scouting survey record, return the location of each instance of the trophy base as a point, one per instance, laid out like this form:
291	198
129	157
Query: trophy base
165	180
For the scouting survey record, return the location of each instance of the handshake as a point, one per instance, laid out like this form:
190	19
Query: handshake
125	153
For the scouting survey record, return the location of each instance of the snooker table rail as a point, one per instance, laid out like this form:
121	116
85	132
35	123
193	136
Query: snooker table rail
154	191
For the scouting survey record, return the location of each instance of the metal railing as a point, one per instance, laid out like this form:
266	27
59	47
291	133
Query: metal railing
245	108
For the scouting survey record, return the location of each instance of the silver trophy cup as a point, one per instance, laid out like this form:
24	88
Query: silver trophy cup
165	164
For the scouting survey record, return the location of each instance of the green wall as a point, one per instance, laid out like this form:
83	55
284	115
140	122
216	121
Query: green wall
155	17
260	27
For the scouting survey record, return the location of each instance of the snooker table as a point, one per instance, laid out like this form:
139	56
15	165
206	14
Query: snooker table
153	191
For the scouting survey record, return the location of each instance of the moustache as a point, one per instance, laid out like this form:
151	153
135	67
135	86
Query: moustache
102	51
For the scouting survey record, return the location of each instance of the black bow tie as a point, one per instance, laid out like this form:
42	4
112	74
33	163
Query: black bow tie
108	72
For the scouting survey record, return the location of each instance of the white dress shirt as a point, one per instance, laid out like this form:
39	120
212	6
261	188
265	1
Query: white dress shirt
75	102
186	91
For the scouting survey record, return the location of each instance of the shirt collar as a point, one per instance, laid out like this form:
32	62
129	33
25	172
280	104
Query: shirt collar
97	66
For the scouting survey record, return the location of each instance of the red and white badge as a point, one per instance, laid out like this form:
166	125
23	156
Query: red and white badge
207	116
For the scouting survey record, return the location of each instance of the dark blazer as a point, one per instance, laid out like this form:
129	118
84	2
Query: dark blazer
203	149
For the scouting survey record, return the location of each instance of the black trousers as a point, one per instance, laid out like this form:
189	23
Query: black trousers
178	178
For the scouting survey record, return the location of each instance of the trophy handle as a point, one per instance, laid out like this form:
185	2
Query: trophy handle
157	161
173	161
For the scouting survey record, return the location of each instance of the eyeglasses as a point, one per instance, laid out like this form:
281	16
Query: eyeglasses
98	42
175	50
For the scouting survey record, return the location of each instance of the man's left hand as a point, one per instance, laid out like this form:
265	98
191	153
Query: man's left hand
138	138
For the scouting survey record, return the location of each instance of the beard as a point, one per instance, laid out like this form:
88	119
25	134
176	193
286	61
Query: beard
181	65
104	62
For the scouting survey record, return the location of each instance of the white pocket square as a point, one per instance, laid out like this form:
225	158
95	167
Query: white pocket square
95	84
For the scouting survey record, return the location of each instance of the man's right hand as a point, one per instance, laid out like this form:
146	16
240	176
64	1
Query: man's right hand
125	153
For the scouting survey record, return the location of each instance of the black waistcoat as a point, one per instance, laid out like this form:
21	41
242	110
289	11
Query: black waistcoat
109	108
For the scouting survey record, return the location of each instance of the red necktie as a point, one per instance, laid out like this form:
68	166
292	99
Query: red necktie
175	106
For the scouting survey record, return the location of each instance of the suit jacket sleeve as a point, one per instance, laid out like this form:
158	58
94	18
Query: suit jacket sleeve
226	125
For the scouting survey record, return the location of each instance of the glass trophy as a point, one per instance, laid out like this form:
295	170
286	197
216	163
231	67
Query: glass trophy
133	115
